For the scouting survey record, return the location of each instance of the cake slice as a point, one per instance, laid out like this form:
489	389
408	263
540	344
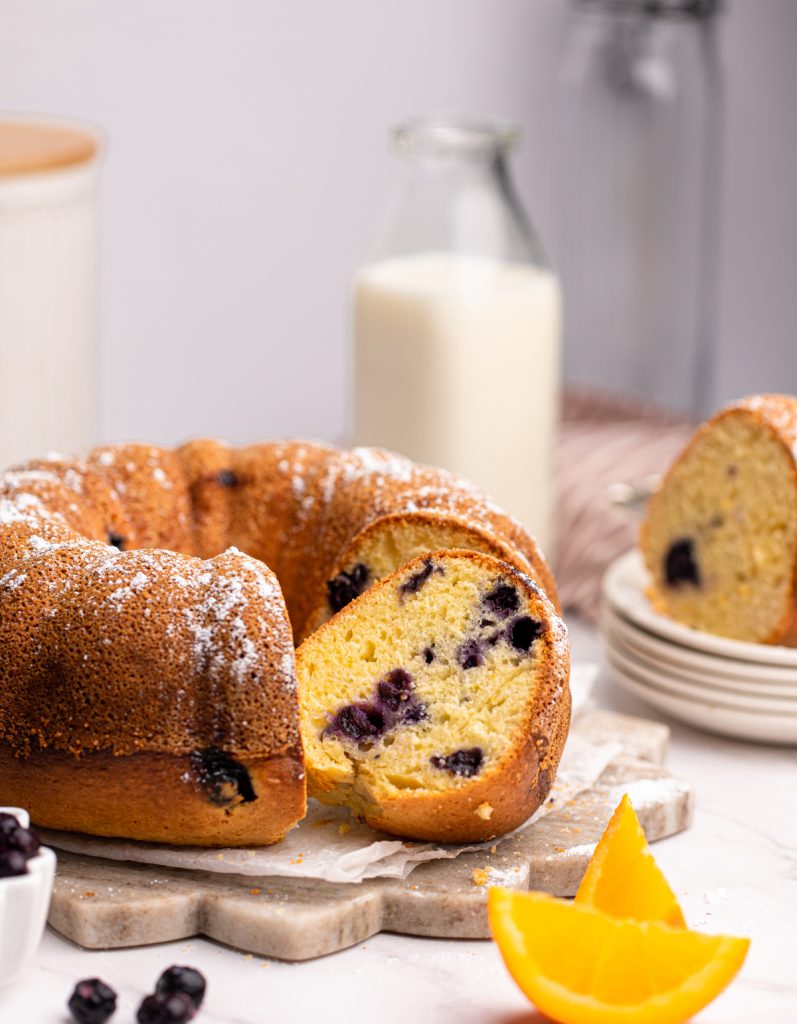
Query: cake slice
436	704
720	535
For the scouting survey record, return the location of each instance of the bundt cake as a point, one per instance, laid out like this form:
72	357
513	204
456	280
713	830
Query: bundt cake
436	705
720	535
147	674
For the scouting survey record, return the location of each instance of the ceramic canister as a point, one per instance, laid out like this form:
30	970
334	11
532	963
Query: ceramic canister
48	286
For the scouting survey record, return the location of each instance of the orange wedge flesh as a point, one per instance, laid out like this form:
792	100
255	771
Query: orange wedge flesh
623	879
580	966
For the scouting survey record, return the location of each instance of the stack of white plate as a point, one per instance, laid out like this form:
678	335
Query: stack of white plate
726	686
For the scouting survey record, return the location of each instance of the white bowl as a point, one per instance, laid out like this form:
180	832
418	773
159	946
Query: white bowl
24	902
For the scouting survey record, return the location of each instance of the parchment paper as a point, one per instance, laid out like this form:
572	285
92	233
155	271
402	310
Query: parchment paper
330	845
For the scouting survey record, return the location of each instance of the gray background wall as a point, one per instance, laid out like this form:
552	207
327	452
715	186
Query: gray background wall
247	162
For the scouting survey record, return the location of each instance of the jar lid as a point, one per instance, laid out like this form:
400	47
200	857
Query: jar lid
35	146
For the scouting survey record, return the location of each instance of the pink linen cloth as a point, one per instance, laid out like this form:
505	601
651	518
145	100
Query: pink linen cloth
604	441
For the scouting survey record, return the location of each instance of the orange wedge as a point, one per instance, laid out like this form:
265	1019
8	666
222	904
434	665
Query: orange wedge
623	879
581	966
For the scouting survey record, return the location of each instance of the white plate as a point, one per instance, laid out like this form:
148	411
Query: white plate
739	724
692	690
705	669
624	589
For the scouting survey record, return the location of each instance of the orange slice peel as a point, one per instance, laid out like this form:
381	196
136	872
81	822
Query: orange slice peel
620	953
579	965
623	879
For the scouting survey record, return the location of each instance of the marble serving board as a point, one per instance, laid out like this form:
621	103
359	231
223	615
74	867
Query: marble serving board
102	904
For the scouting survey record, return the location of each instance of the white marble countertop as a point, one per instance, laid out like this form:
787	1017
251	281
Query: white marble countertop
735	871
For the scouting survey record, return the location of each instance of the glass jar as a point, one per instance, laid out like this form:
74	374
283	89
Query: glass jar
457	321
49	172
640	137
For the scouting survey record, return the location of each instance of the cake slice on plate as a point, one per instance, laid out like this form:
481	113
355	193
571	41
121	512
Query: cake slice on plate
720	535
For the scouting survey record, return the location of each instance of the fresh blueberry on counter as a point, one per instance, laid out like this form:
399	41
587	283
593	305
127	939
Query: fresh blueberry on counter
92	1002
166	1008
182	979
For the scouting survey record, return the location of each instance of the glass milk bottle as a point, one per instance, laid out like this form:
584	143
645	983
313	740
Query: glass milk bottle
457	321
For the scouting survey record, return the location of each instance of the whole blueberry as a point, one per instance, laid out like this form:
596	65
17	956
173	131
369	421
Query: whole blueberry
92	1002
12	862
183	979
14	837
166	1008
8	826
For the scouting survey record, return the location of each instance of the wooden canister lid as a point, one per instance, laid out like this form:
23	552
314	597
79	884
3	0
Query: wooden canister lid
30	147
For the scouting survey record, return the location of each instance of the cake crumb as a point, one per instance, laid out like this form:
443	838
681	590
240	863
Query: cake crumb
344	827
298	859
484	811
480	876
255	891
89	892
494	849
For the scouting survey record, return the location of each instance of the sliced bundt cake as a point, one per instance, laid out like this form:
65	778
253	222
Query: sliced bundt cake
436	704
147	679
720	535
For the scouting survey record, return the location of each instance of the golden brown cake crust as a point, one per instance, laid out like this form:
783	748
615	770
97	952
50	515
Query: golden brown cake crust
136	797
777	414
133	625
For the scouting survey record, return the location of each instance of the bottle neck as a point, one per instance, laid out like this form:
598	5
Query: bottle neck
453	193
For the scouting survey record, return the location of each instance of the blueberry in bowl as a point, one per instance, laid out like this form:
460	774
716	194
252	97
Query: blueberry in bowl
27	870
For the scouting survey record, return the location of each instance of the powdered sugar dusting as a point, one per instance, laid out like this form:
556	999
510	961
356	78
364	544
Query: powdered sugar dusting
12	580
229	632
